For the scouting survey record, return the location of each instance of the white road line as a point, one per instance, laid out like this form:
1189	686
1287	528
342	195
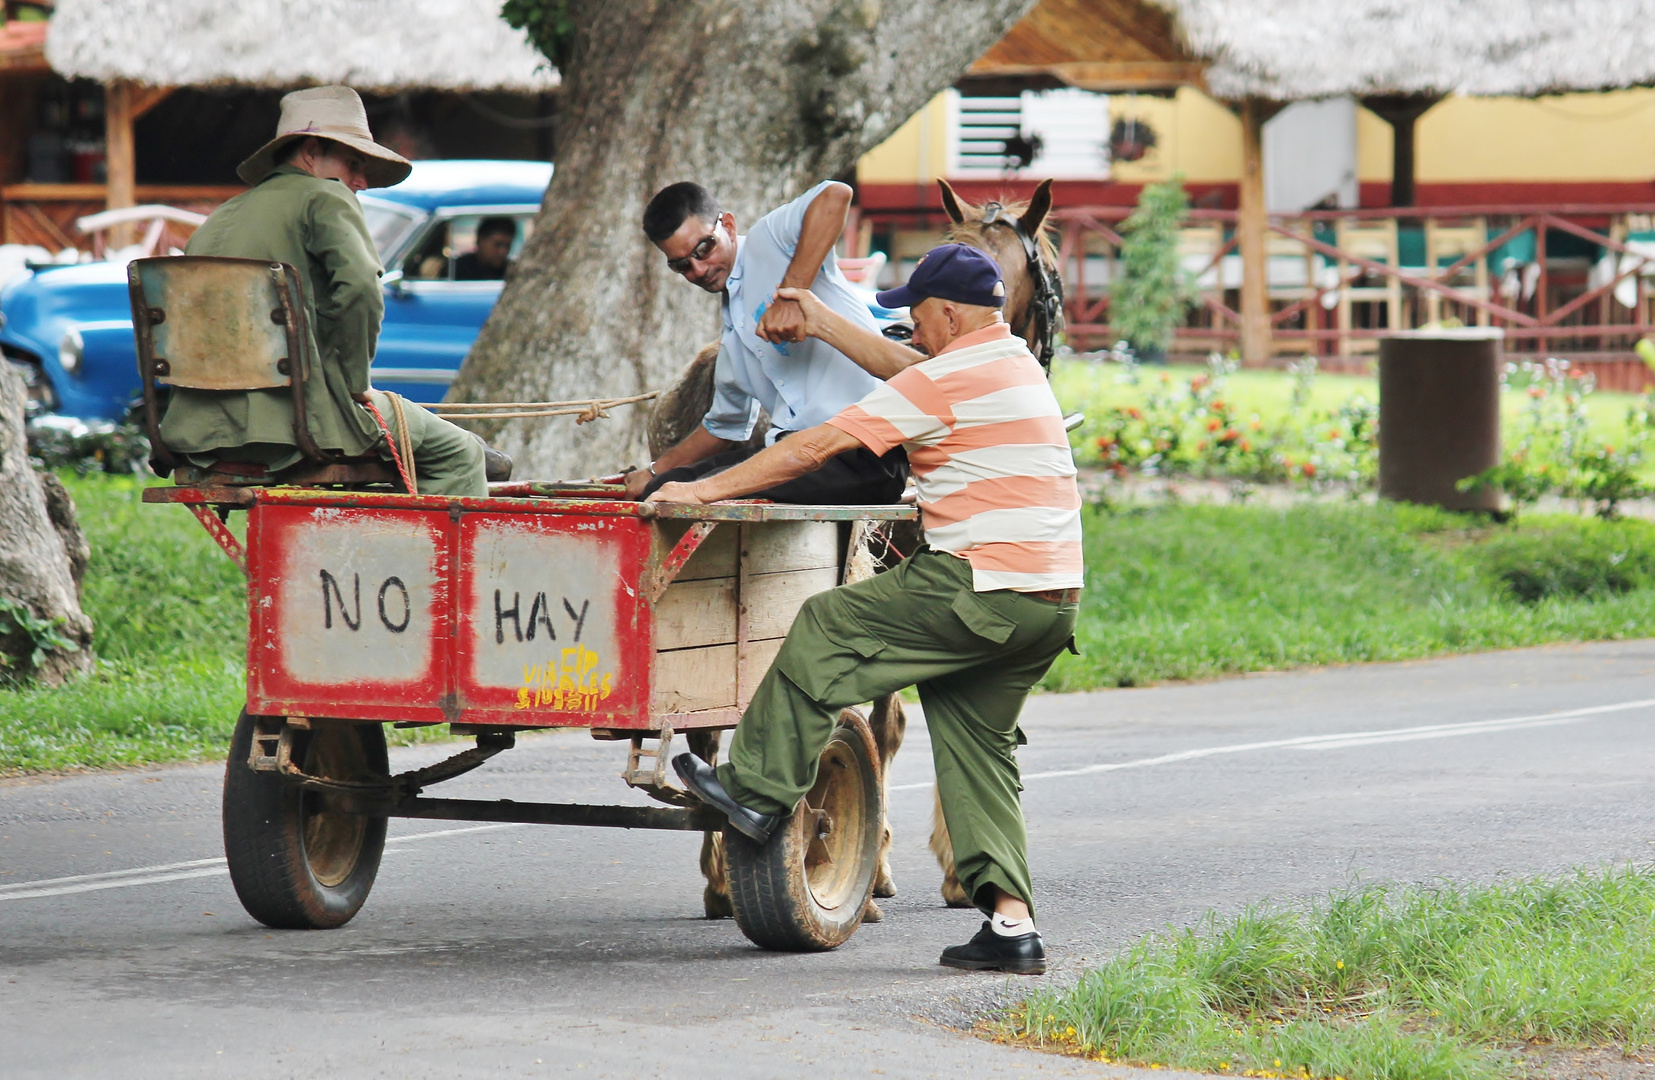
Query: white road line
1342	741
197	868
155	875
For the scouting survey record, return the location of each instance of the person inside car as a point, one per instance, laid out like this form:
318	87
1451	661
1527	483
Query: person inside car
495	236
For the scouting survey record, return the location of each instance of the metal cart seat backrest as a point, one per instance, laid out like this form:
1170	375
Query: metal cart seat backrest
208	323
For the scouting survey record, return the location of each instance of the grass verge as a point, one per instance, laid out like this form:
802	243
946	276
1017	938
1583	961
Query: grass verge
1199	591
1374	984
170	618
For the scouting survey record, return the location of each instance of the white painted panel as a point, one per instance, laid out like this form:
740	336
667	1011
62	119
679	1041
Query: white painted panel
1073	127
545	613
355	602
1310	155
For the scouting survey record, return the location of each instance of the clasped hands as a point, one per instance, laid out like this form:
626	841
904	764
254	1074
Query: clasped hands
793	315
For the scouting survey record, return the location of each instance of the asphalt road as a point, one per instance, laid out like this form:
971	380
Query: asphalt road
534	951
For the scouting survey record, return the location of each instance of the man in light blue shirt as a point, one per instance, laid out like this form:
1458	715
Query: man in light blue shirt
765	360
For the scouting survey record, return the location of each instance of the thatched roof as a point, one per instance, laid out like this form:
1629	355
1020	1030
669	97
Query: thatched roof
1290	50
376	45
1295	49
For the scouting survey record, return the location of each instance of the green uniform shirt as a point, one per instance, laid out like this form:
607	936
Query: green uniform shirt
317	227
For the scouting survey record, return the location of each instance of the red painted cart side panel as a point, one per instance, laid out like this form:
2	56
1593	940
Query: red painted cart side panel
554	628
349	613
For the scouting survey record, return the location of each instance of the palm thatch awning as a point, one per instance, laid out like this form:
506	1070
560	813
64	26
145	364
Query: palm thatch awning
374	45
1293	50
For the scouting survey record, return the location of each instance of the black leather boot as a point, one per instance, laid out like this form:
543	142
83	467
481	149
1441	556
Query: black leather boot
703	783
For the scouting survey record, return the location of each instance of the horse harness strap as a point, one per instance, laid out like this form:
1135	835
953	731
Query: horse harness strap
1046	306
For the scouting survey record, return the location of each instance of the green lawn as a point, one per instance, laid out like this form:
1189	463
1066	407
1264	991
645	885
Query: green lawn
171	629
1093	387
1172	593
1435	983
1198	591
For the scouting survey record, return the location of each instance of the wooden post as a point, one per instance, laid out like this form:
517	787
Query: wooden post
1252	227
120	157
123	103
1402	111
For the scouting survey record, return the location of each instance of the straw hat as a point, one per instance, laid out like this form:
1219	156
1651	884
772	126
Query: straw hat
327	112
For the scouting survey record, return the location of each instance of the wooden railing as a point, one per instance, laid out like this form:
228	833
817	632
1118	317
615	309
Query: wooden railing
45	214
1571	281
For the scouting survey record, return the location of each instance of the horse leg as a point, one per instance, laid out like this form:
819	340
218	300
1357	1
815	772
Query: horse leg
889	724
953	893
715	898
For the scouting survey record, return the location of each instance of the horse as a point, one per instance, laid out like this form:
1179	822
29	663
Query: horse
1015	234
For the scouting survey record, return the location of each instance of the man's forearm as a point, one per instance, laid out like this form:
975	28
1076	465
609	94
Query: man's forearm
788	459
696	446
824	223
876	354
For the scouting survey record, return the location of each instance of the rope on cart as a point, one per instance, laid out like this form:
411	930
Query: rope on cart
584	411
402	438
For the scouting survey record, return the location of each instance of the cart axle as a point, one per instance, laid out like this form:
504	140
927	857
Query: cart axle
699	819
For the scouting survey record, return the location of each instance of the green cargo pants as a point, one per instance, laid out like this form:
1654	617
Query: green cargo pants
447	459
974	656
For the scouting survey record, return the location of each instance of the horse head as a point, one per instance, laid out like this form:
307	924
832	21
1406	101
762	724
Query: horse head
1015	234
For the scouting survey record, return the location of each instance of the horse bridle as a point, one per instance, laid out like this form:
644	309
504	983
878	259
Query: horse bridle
1046	306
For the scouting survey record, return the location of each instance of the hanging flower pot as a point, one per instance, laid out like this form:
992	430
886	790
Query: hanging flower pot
1130	139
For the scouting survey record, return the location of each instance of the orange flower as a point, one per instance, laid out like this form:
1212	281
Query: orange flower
1135	413
1213	423
1309	469
1246	445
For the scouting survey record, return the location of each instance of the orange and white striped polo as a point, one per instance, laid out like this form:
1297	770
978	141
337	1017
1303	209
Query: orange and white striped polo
989	456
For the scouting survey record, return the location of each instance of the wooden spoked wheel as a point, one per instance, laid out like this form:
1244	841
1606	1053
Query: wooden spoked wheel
805	890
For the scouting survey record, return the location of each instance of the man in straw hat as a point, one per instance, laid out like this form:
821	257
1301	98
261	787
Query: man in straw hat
302	210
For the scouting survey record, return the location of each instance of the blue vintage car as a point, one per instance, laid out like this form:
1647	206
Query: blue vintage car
71	326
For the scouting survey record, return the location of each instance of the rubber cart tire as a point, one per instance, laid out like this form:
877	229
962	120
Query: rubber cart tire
805	891
298	862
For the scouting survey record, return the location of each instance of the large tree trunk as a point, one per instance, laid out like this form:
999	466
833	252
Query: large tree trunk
756	100
42	554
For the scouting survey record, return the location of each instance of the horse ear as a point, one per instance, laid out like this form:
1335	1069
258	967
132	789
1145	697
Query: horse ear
1039	206
951	202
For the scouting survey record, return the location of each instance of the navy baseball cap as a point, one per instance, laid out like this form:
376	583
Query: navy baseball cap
953	272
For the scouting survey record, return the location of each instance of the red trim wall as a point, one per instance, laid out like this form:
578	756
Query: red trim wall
917	198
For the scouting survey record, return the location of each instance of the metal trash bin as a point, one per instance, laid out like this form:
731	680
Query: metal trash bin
1439	415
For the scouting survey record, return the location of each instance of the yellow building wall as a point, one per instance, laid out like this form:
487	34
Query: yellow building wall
1195	136
1569	137
916	153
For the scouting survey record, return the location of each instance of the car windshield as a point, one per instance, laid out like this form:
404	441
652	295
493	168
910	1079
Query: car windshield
387	224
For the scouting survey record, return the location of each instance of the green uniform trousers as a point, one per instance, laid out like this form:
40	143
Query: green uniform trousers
974	656
446	460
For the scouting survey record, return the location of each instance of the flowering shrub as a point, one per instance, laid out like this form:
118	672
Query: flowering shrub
1186	426
1554	453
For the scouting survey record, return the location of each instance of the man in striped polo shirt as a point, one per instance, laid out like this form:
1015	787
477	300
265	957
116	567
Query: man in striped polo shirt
974	618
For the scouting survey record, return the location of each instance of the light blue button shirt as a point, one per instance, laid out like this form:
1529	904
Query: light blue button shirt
800	384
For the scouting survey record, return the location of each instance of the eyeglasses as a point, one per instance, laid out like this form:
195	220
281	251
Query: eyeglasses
701	251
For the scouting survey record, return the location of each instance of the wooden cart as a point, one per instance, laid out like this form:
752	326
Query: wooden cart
547	606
